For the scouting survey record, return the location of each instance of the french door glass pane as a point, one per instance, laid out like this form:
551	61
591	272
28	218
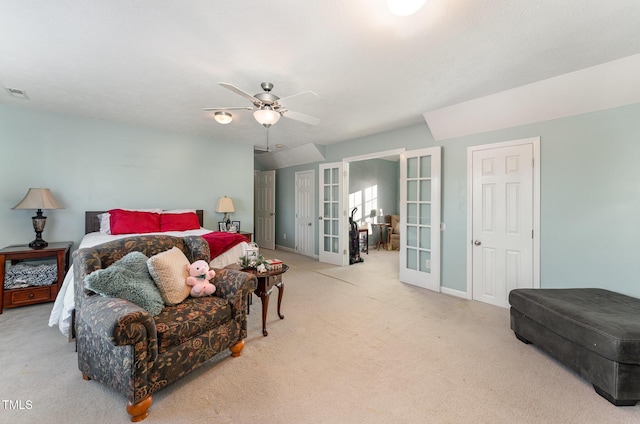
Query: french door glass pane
412	191
412	213
425	213
425	190
334	210
327	211
412	259
334	193
412	168
425	166
327	193
327	227
327	244
425	261
334	247
327	176
334	227
425	238
334	175
412	235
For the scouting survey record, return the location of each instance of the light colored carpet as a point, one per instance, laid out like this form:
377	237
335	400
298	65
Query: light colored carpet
356	346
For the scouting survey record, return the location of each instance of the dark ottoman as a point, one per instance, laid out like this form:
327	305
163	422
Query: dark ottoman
595	332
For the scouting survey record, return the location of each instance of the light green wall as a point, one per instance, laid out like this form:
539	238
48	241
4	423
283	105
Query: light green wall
590	195
90	164
382	173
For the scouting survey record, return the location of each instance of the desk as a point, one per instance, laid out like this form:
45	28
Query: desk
382	240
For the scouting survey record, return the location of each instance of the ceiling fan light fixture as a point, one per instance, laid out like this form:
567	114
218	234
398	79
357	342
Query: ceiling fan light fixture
266	116
405	7
223	117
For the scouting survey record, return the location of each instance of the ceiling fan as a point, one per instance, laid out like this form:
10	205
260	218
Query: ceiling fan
267	107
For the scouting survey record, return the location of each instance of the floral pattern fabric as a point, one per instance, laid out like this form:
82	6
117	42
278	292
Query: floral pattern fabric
124	347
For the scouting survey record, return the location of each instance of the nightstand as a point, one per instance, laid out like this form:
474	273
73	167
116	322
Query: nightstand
247	235
12	298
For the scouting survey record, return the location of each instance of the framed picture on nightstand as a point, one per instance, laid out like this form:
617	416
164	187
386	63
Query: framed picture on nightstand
235	226
222	226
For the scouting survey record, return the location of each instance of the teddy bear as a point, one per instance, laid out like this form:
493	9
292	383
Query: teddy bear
199	276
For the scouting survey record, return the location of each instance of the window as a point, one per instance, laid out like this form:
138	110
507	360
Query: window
365	200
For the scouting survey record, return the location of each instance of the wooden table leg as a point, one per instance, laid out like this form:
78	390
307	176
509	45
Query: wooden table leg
265	307
280	287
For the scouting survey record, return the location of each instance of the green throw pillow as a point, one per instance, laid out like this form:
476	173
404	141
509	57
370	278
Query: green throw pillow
128	279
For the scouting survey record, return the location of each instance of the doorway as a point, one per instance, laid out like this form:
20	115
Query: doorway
503	219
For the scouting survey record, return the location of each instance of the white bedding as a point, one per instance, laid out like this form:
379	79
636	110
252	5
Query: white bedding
64	304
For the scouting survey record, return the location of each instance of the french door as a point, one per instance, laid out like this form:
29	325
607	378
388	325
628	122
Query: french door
331	215
420	180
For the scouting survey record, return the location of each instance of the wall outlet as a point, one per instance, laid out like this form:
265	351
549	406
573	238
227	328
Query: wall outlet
284	236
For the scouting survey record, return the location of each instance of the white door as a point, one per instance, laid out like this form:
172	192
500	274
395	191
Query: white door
266	209
331	245
305	229
420	218
502	214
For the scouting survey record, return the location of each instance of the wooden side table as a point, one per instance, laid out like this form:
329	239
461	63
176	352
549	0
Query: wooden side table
11	298
266	282
247	235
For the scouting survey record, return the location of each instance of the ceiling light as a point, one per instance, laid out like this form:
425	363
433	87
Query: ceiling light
223	117
266	116
405	7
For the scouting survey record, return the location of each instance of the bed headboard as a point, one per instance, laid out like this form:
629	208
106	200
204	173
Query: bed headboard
92	223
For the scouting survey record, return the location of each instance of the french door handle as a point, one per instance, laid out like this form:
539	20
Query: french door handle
477	242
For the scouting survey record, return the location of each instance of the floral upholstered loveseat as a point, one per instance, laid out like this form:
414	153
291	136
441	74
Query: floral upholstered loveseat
123	346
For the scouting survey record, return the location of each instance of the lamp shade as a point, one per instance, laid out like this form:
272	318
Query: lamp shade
266	116
223	117
225	205
38	198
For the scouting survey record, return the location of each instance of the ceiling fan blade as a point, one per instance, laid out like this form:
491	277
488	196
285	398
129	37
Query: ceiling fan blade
244	94
301	117
227	108
308	95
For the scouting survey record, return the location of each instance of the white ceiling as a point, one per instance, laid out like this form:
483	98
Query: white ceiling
156	63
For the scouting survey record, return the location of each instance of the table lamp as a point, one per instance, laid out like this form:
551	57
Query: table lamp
225	206
38	198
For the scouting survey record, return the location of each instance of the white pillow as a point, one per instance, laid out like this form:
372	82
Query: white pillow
174	211
105	222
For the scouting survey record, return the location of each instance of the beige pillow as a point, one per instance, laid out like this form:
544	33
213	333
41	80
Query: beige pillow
169	272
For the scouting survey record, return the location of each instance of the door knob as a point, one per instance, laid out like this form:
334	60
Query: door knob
309	224
477	242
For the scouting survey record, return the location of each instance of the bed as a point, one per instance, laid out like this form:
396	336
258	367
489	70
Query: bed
62	312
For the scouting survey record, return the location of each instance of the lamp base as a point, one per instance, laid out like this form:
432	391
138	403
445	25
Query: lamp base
38	243
39	222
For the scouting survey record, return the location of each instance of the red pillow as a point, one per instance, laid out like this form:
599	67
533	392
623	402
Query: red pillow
179	221
132	222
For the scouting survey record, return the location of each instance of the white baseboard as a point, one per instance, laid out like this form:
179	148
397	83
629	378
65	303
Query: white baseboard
288	249
454	292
